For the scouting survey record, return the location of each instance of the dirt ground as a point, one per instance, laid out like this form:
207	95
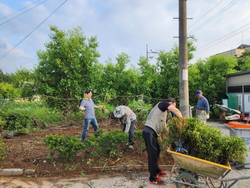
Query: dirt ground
30	152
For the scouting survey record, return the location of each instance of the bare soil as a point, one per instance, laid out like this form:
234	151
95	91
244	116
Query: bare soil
30	152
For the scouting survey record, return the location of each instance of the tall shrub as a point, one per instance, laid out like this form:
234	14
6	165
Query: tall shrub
206	142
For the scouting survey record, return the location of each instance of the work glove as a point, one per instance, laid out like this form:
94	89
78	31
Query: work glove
207	116
103	107
82	108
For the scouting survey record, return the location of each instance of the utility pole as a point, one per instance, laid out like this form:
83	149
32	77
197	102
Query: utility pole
183	60
151	52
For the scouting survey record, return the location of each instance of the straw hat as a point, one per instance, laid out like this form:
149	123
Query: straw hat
119	111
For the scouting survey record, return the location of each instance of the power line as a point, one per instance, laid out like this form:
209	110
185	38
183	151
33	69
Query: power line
171	41
210	19
21	13
168	43
206	13
205	47
214	16
33	30
198	6
17	11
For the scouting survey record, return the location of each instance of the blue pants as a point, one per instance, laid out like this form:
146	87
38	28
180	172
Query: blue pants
87	122
131	132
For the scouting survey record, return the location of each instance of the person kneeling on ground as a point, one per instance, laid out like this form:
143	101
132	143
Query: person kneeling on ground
128	119
156	121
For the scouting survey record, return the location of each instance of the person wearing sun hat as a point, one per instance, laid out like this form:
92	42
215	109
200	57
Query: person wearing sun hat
128	119
202	107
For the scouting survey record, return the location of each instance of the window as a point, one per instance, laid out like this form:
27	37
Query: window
234	89
247	88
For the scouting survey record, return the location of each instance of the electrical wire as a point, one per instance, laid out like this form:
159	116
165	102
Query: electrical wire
221	39
33	29
17	10
198	7
174	27
21	13
210	19
205	14
214	16
171	41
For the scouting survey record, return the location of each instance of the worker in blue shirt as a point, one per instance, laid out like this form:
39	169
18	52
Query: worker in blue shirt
202	107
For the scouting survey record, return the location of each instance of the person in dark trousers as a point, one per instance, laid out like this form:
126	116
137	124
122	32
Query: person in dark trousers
88	106
156	121
128	119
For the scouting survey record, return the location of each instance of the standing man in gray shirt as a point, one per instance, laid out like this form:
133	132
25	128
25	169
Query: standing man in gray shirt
88	106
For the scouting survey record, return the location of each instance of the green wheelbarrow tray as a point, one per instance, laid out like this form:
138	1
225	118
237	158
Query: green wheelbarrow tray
200	166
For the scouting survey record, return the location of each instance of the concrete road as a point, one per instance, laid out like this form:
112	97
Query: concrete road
220	125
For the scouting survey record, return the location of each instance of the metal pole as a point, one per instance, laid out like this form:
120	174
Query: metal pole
146	51
183	60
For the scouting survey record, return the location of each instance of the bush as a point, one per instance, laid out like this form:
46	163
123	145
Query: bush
206	142
19	117
67	147
8	91
3	150
108	144
23	117
19	123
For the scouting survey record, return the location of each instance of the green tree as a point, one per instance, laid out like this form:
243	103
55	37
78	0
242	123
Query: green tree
147	78
209	75
8	91
116	80
5	77
65	67
24	79
243	61
168	69
168	64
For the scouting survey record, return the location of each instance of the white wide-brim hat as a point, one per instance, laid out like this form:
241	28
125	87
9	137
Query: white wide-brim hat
119	111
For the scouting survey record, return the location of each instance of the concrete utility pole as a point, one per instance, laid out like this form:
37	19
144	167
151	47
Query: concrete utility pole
183	60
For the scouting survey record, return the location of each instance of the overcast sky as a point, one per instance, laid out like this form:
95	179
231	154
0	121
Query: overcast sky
120	26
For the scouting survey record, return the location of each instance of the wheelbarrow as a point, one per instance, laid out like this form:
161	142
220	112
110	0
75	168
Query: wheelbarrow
196	172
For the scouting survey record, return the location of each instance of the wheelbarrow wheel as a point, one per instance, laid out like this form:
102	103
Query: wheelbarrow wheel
186	178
